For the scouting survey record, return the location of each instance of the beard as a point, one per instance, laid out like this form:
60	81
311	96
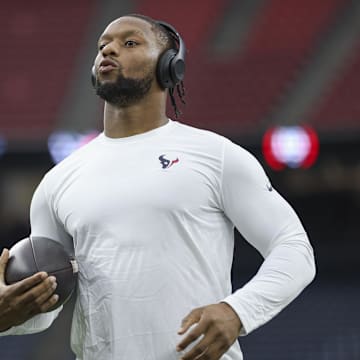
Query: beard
124	91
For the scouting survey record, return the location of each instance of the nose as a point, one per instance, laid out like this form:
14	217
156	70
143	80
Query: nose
110	49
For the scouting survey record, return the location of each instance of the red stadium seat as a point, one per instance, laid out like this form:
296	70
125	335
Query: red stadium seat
340	106
41	41
236	95
193	19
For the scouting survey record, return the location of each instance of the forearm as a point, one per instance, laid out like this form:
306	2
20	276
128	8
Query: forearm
36	324
286	271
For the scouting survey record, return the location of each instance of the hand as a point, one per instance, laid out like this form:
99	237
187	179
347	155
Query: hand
26	298
220	327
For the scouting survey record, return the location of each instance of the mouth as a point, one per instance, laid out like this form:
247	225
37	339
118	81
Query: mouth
107	65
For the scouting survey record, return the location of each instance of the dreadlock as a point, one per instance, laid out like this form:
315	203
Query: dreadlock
181	94
167	41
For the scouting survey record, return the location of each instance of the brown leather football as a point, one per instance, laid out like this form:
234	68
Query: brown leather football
34	254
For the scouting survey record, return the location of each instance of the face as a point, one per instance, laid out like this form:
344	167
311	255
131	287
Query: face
125	65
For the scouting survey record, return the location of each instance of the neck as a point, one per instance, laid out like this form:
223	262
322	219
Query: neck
138	118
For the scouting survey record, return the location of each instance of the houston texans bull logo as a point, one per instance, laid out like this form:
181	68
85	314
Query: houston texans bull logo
166	163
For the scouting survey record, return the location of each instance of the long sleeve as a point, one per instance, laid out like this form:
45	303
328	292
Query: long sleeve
36	324
269	224
43	223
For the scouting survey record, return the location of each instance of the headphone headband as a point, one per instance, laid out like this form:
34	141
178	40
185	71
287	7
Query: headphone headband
177	37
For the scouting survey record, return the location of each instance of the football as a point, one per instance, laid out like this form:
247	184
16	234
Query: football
34	254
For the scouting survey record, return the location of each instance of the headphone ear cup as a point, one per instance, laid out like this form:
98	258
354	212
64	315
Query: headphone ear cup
177	68
164	69
93	76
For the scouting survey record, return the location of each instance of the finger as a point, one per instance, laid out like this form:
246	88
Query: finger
214	352
199	349
46	306
3	261
189	320
46	295
36	300
40	293
193	335
24	285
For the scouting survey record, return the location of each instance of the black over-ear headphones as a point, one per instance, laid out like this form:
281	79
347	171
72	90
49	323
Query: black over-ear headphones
171	64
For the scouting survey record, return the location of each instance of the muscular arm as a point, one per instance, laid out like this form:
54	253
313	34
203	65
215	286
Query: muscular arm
24	305
24	300
269	224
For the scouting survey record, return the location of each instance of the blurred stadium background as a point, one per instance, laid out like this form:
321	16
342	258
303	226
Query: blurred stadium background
252	65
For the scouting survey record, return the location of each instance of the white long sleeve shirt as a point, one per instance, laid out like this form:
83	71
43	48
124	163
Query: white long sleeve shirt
152	220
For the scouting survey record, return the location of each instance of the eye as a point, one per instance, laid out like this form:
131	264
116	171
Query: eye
101	46
130	43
